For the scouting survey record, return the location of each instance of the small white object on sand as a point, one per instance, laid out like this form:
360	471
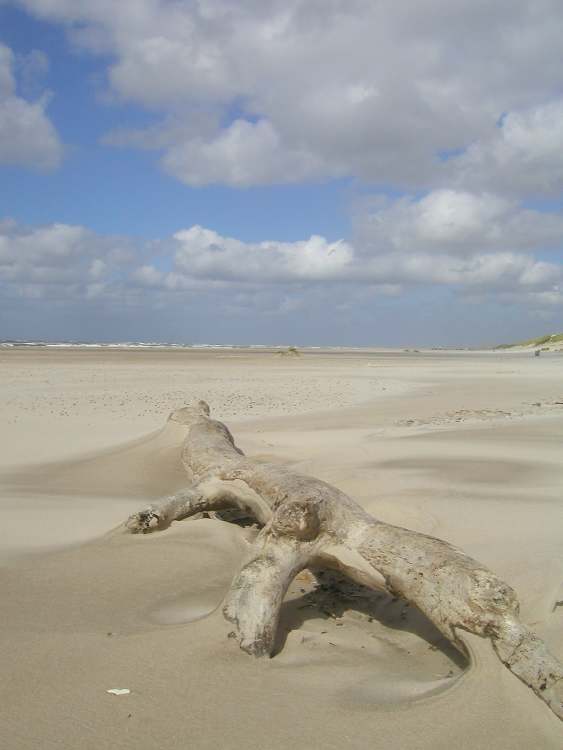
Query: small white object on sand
118	691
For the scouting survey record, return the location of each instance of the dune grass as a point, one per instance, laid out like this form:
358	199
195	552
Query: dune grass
550	338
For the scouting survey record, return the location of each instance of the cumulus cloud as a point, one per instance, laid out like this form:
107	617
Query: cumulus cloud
457	222
200	275
309	89
204	253
524	155
27	136
448	238
59	259
455	106
411	243
243	154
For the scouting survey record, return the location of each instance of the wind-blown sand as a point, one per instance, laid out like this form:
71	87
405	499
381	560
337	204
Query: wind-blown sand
466	446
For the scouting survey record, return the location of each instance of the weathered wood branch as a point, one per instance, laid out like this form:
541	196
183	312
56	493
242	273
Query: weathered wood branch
309	523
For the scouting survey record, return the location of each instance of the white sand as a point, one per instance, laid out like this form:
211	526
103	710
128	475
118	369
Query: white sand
466	446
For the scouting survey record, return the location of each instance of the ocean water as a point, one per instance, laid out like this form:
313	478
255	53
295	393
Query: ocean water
12	343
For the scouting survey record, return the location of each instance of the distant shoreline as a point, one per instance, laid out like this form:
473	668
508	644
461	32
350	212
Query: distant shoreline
16	344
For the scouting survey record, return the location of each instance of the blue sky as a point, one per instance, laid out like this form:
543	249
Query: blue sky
131	179
275	172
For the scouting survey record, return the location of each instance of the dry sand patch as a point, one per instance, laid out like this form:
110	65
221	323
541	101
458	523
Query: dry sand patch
101	611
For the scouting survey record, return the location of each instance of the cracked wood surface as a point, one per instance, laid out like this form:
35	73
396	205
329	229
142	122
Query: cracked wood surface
309	523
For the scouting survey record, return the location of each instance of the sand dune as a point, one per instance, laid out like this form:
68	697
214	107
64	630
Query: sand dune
87	608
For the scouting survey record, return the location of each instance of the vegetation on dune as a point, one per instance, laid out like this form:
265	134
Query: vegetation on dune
291	351
550	338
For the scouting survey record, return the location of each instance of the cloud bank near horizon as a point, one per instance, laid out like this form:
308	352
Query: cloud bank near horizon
480	246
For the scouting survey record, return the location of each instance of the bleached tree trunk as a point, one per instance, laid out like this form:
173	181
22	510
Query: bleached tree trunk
309	523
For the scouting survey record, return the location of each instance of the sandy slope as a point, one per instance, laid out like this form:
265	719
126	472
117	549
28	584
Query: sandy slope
462	445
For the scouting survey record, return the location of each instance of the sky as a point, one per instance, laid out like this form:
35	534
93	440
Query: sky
323	172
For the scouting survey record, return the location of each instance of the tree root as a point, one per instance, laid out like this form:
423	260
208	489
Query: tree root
308	523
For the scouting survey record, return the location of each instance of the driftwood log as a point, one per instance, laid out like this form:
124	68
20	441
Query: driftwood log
308	523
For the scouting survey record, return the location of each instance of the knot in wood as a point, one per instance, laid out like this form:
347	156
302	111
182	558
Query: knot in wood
298	519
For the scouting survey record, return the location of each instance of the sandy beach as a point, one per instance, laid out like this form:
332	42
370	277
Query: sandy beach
461	445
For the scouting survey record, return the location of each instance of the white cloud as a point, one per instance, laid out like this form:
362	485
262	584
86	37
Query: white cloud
58	257
98	268
523	155
403	246
322	89
204	253
457	222
458	104
410	255
243	154
148	276
27	137
197	284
